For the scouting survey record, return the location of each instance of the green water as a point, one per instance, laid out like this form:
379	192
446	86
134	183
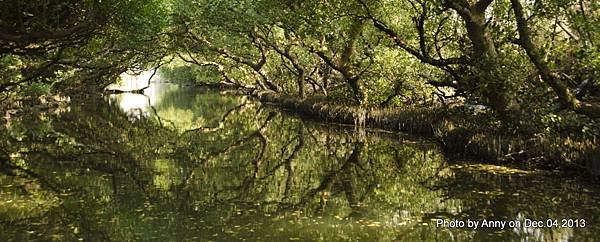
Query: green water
182	164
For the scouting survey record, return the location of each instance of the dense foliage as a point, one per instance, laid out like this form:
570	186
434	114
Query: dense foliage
76	45
532	64
501	80
525	61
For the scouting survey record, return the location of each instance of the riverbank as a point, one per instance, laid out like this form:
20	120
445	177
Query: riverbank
17	106
458	133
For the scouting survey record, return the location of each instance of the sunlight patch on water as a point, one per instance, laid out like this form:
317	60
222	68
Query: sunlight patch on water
135	105
494	169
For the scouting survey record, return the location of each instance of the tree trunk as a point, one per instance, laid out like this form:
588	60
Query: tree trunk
485	57
565	96
346	58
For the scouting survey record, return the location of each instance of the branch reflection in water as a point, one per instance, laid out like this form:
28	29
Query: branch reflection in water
198	165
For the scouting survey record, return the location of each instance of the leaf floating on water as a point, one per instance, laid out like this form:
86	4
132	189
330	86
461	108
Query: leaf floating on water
374	224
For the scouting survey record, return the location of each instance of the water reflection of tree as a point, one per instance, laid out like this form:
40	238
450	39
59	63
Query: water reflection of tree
273	178
83	156
188	108
131	179
496	193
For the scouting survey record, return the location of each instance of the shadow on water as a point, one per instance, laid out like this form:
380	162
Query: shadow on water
187	165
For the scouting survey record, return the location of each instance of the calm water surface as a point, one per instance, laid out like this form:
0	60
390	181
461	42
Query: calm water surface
180	164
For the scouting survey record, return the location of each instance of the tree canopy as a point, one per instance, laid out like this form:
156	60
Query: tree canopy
522	60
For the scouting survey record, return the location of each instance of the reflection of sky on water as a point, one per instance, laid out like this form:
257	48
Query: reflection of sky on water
136	105
177	112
